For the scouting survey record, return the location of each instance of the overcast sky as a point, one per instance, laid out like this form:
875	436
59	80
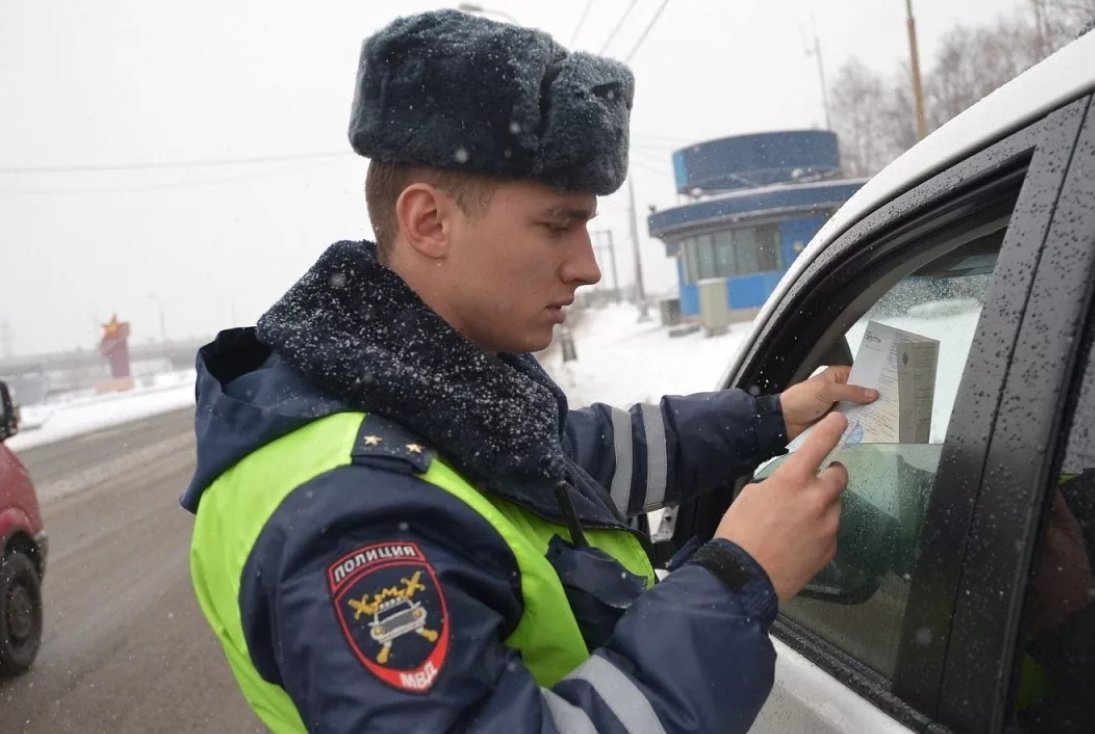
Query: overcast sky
127	82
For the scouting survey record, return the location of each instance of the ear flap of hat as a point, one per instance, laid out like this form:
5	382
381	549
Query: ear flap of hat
585	126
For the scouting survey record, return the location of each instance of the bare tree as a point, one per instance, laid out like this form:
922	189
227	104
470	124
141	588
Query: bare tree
1056	22
874	116
972	62
900	112
862	112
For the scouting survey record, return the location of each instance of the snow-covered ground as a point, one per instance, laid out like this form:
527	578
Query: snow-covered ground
51	422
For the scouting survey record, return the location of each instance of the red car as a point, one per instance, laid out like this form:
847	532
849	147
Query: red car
22	553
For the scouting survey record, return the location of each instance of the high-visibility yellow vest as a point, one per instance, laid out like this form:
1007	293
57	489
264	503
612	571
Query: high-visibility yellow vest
236	507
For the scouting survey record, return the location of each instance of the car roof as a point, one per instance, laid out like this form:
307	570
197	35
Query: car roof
1066	75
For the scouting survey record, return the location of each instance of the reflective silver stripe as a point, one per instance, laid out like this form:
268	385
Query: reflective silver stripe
620	694
657	463
622	441
568	717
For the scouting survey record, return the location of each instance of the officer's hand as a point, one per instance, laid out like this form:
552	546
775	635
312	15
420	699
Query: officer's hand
806	402
789	523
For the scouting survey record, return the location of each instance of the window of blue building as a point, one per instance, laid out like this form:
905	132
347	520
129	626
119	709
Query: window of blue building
731	252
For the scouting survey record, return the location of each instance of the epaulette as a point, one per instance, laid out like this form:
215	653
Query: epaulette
381	439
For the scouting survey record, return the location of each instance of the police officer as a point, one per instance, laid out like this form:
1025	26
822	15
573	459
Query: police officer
400	525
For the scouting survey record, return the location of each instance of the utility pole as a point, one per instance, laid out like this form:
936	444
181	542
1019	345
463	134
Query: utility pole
816	53
163	327
6	350
640	292
918	89
605	242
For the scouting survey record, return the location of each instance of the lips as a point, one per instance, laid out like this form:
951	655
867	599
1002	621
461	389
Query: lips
557	311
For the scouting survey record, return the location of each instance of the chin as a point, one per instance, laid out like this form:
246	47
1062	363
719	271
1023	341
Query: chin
533	342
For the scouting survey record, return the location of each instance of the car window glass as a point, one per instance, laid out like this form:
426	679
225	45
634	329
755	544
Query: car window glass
1055	664
858	602
944	307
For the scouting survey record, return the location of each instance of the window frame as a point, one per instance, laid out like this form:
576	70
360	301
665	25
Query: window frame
1036	153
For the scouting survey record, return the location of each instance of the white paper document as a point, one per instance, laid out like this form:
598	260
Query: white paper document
901	365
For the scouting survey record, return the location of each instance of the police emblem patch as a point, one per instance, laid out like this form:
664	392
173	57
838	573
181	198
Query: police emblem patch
392	612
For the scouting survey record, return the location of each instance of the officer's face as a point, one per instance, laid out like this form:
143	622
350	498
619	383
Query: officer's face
518	264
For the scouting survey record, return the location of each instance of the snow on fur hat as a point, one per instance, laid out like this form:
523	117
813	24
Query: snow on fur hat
451	90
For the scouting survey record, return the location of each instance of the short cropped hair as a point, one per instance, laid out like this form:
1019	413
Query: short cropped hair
385	182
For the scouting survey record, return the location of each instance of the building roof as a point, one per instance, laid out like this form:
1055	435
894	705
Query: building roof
762	201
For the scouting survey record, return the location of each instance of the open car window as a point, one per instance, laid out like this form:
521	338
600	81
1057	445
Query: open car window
858	602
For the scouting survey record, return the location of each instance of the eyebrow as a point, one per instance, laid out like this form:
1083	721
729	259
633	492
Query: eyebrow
570	212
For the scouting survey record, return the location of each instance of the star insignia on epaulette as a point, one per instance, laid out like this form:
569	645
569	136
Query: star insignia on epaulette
414	448
373	440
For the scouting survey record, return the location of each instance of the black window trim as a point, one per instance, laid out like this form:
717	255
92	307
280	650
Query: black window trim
1025	449
908	215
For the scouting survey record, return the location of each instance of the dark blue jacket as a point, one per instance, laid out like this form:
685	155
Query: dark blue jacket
691	654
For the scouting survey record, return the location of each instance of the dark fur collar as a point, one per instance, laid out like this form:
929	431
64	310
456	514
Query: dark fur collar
354	329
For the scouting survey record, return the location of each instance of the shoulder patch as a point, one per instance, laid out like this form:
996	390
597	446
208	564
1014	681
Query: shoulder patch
392	612
380	438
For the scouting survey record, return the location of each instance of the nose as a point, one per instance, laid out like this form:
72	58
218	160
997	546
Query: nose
580	265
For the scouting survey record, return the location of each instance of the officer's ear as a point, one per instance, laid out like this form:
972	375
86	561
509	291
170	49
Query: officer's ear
424	214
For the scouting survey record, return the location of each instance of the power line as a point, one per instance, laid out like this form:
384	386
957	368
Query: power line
654	151
650	157
642	38
139	188
619	25
652	169
668	138
155	166
581	20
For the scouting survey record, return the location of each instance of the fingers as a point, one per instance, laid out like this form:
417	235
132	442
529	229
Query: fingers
850	393
822	439
834	479
837	373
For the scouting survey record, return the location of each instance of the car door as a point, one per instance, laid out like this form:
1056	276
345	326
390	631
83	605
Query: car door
866	646
1022	644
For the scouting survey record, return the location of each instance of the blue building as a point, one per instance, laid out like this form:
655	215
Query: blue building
755	202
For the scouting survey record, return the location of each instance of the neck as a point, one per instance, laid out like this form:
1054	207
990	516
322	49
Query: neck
426	277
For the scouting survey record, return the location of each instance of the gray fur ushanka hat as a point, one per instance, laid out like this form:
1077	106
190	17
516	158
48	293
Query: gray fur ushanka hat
451	90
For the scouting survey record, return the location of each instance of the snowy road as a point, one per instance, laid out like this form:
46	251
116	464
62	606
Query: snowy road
125	648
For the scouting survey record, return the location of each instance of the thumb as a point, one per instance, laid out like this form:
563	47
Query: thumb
851	393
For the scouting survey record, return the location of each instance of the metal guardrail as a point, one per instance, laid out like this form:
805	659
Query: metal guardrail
37	378
179	353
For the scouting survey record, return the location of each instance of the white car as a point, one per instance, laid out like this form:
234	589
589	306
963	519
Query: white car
962	596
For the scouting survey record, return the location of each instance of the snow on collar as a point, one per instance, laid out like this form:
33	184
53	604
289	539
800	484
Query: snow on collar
354	329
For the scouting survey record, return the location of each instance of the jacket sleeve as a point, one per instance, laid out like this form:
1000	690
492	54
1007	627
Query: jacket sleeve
692	654
653	456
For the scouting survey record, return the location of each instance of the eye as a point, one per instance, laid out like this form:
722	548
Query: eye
555	229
